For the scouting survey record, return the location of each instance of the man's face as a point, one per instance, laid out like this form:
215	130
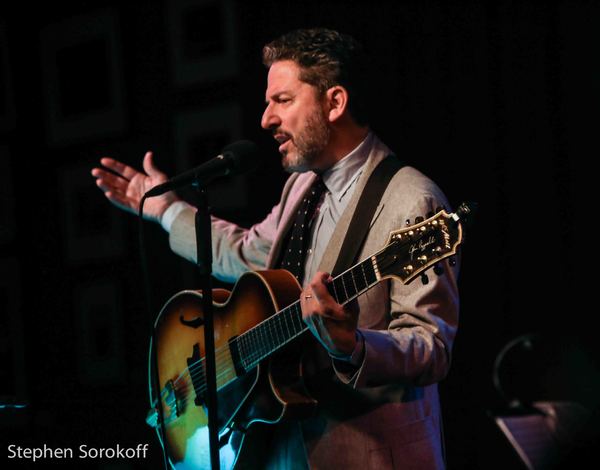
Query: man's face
296	117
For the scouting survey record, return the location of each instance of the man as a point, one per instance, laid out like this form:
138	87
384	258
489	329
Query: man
375	375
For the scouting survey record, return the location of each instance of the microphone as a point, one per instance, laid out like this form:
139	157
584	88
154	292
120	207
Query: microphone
235	159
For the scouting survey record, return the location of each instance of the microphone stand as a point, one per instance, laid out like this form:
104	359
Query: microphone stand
204	262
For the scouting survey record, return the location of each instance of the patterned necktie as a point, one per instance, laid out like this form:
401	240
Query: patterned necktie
294	254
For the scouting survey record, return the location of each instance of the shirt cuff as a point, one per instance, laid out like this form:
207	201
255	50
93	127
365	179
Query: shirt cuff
171	214
358	354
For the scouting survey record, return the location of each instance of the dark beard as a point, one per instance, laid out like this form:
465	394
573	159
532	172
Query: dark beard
309	144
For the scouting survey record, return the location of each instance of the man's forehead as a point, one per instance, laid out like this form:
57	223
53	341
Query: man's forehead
283	75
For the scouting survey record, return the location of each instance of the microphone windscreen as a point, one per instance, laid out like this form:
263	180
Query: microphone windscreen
243	156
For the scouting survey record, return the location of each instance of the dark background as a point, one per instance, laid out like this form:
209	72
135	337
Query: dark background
497	102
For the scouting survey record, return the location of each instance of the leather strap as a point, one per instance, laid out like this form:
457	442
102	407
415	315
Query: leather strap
365	209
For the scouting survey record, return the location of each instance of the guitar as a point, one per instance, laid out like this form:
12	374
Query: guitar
253	323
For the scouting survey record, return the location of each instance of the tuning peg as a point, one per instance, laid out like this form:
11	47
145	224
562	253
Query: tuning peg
452	261
437	269
407	222
429	214
424	279
419	219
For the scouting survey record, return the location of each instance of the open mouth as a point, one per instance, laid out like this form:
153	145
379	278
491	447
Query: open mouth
283	140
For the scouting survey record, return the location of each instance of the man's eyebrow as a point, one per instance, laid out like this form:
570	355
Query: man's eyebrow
275	96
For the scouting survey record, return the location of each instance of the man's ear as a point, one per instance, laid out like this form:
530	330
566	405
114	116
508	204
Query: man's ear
337	100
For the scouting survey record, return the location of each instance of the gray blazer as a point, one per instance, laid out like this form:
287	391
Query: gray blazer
386	415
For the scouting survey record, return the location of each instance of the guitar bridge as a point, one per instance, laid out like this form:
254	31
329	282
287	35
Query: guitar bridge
171	406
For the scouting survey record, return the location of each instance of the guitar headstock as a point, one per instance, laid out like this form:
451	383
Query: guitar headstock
410	251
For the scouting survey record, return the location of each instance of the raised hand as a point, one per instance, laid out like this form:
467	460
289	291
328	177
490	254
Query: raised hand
125	186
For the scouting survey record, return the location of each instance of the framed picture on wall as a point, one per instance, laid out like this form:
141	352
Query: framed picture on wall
7	101
100	357
92	228
83	78
202	37
7	198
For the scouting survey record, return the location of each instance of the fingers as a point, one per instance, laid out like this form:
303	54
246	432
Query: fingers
317	301
149	167
117	167
108	181
319	286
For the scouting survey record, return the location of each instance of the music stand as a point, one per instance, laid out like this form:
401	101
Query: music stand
543	433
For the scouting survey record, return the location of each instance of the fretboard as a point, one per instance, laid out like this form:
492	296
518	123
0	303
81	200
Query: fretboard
275	332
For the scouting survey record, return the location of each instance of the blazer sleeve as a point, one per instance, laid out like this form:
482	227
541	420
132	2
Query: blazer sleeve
235	249
412	341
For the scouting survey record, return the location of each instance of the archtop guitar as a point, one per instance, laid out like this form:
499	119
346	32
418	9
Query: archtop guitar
253	325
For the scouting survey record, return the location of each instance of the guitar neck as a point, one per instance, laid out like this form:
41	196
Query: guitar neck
269	336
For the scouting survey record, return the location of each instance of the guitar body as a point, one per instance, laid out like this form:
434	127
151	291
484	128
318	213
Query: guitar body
268	393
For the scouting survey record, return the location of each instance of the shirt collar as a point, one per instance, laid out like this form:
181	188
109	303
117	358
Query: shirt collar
340	176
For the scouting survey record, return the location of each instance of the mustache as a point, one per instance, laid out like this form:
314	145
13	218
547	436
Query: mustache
280	132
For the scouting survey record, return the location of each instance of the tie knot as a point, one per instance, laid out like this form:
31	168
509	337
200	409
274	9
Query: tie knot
318	187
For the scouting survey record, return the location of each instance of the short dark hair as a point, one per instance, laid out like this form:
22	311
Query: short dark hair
327	58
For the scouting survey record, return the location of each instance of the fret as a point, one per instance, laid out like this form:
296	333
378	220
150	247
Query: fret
362	268
339	288
273	336
263	338
280	326
285	320
356	289
345	290
289	320
298	314
334	293
257	335
242	349
273	330
293	313
359	278
370	272
249	348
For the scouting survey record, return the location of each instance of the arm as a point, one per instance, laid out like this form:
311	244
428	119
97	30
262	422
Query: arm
416	346
235	249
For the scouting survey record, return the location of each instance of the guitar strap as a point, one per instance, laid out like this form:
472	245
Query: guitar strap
365	209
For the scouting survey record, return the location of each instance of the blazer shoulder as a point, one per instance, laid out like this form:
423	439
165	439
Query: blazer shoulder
410	183
411	194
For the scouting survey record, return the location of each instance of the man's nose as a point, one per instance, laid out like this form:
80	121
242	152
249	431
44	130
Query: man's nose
269	119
